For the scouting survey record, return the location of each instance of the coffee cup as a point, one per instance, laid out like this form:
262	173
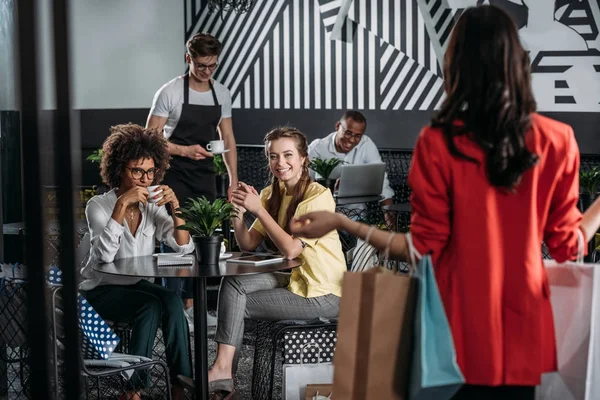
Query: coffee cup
153	192
223	248
216	146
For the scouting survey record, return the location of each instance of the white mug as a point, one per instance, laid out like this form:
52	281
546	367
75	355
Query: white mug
153	193
216	145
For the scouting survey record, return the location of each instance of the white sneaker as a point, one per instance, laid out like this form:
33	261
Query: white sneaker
189	316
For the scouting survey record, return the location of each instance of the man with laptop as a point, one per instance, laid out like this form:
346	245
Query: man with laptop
350	144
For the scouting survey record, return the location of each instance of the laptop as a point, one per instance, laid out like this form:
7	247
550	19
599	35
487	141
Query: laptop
361	180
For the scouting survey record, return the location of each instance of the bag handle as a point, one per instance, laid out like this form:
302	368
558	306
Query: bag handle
414	254
386	252
318	396
580	246
307	345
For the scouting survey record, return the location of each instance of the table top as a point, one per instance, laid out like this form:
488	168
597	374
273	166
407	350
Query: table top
146	266
342	201
399	207
15	228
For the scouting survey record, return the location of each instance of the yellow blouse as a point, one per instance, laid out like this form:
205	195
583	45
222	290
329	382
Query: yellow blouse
324	263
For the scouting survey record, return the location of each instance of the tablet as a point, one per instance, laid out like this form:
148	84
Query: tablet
256	259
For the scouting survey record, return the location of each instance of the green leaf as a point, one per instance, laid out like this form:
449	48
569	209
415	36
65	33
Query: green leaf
325	167
202	217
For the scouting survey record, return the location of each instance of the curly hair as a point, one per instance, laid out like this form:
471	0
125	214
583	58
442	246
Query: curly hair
488	86
128	142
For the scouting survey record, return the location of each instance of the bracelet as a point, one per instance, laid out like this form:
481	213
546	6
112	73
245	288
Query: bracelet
369	233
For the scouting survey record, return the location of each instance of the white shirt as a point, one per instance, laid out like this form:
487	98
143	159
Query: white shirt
365	152
168	102
111	240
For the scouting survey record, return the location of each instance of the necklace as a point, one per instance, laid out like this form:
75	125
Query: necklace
130	217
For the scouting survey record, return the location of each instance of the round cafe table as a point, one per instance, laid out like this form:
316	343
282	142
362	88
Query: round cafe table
146	267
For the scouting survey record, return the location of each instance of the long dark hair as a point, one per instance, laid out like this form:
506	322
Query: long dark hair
488	86
274	202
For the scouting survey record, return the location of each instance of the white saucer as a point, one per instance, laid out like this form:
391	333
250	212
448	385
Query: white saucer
225	256
220	152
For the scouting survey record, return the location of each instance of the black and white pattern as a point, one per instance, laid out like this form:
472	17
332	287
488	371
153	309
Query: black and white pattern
307	346
387	54
98	341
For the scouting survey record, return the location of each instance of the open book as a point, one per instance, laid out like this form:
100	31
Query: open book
173	259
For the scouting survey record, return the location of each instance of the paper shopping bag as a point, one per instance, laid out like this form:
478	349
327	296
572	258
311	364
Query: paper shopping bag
98	341
372	356
575	300
435	374
297	376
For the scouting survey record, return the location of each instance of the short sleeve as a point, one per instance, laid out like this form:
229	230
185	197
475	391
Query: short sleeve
225	100
372	156
564	218
322	202
257	225
429	180
161	104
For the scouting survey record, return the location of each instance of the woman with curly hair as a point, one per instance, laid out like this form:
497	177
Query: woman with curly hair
123	223
491	180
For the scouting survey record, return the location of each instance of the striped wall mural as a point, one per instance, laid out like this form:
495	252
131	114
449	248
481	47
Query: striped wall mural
283	55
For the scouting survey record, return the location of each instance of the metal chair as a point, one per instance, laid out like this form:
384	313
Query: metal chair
116	369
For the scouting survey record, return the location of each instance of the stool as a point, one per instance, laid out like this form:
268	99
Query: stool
269	348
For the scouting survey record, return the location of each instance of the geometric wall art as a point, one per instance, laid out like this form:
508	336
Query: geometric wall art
281	54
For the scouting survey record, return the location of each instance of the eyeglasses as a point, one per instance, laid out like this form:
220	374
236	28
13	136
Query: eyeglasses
138	173
351	135
202	67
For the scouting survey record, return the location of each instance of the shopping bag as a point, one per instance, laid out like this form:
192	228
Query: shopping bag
13	312
297	376
98	341
434	373
318	392
575	300
373	350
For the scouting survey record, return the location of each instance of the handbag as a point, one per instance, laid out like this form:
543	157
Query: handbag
297	376
435	373
575	300
98	340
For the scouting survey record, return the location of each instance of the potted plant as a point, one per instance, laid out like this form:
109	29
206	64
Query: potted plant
221	175
588	183
95	157
324	168
202	218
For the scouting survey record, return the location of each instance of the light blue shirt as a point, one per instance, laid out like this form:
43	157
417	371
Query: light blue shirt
365	152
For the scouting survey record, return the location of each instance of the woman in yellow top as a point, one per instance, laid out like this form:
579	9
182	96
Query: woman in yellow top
310	291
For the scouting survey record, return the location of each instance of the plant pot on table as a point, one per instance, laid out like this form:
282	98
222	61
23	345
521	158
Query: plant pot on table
222	185
208	249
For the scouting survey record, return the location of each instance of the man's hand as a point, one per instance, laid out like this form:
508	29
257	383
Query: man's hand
196	152
230	189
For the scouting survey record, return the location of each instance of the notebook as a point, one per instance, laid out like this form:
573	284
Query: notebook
174	259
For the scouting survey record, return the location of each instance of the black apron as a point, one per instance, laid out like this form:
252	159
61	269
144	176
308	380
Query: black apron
197	125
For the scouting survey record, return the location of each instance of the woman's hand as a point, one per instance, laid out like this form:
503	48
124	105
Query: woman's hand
245	197
134	195
168	196
315	224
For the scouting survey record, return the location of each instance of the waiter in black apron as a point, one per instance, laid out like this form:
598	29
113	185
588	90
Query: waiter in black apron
192	110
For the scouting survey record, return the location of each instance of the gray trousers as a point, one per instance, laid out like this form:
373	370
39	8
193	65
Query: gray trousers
265	297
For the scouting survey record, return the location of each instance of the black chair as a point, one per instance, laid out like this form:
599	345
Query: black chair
102	378
269	348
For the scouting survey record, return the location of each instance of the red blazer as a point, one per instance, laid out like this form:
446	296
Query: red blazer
486	248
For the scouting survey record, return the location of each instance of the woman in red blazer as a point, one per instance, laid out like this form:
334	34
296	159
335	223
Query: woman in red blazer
491	180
